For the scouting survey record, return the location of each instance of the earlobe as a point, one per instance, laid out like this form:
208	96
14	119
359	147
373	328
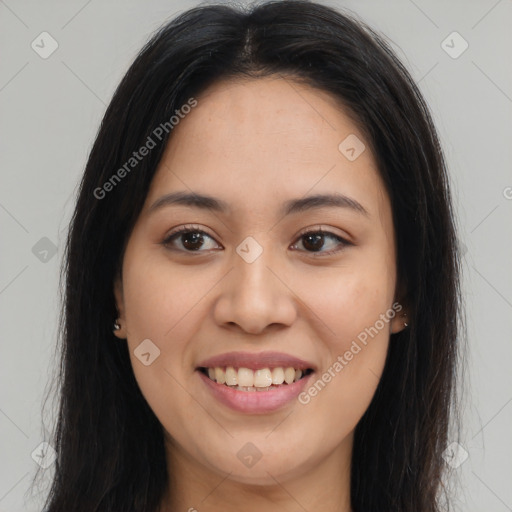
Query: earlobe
400	322
401	319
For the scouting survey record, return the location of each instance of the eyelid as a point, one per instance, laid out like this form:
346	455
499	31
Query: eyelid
187	227
326	231
304	231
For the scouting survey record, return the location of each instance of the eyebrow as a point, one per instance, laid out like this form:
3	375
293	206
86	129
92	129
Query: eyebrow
292	206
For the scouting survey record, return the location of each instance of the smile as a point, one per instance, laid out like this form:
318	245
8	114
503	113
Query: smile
264	401
248	380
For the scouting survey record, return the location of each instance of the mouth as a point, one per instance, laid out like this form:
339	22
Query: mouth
255	380
255	383
253	399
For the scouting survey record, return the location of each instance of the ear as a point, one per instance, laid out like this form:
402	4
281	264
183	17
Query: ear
119	298
401	319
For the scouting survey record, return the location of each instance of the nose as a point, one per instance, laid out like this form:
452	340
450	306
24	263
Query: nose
254	296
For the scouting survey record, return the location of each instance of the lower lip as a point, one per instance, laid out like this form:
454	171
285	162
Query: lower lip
255	402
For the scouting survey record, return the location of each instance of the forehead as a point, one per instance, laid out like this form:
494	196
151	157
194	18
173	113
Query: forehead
266	140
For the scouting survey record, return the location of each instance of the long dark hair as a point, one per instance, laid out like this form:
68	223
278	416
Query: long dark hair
109	443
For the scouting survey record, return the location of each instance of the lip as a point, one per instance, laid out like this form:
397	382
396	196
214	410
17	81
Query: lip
256	361
255	402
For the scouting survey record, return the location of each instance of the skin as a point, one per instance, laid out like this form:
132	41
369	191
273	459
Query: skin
256	144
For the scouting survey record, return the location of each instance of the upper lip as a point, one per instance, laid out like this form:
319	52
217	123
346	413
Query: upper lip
256	361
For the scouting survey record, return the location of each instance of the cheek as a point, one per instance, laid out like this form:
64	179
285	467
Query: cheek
161	300
348	300
160	306
353	305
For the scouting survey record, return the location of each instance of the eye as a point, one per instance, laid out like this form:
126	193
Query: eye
314	240
191	239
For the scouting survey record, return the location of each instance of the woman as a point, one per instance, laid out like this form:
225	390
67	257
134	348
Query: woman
262	292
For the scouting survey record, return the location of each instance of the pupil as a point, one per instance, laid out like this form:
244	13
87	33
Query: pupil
317	241
196	238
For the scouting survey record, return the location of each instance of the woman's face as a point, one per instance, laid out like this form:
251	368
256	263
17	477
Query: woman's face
251	290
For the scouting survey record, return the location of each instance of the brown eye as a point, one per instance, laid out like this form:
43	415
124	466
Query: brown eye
191	239
314	242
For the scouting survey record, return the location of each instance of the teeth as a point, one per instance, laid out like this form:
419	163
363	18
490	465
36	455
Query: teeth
289	375
220	375
231	376
246	388
262	378
245	379
277	376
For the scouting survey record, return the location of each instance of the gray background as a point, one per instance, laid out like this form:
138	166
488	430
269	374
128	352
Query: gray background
50	112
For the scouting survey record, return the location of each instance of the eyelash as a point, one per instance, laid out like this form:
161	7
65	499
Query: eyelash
193	229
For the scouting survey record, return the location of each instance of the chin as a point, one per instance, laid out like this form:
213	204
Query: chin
247	464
